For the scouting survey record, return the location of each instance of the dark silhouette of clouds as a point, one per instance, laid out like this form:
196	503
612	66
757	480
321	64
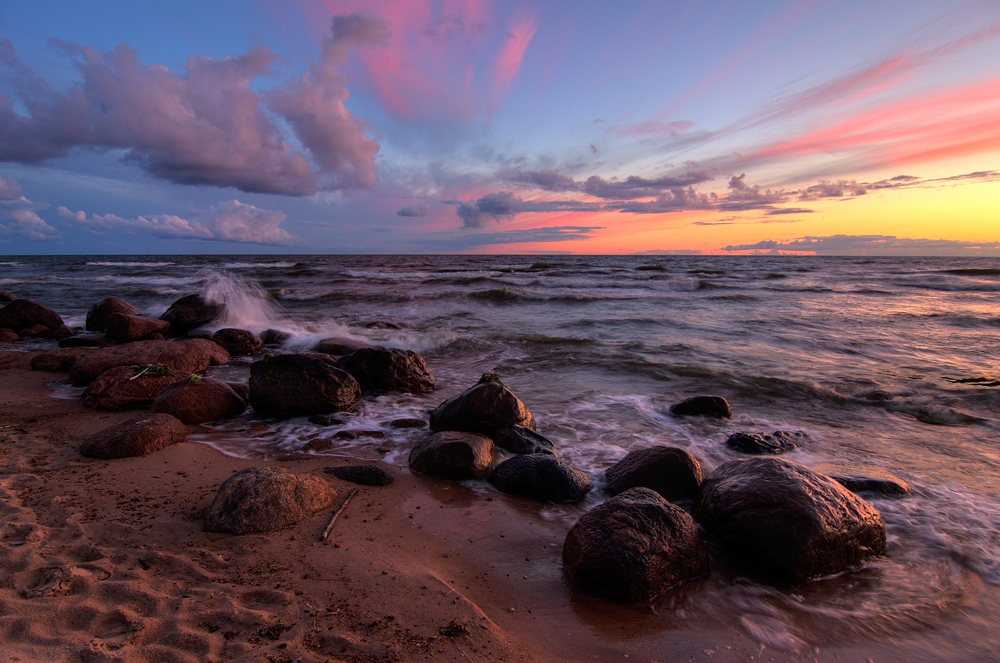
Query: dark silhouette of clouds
417	210
504	206
634	187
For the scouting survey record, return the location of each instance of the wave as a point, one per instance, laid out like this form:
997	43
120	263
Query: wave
973	272
128	264
259	265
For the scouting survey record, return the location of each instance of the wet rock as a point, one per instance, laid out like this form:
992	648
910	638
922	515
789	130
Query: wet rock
8	336
57	361
787	521
87	341
382	324
200	333
453	455
365	475
634	547
121	389
56	333
125	328
264	499
408	423
863	477
191	311
6	297
30	332
239	342
380	370
946	417
703	406
354	434
777	442
198	401
672	472
485	408
135	437
274	336
521	440
98	315
325	420
24	313
338	346
540	477
298	385
242	390
183	357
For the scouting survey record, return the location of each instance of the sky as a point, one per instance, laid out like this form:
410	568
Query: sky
476	126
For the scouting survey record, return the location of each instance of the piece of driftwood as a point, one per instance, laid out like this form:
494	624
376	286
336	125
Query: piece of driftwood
347	498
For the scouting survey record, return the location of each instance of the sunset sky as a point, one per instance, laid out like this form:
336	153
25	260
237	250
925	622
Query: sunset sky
358	126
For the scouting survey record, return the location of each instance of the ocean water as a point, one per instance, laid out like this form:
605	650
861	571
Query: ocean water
888	361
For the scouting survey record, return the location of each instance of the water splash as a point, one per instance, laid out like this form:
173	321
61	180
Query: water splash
248	306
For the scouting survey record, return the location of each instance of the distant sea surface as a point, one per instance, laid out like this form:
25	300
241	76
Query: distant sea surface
888	361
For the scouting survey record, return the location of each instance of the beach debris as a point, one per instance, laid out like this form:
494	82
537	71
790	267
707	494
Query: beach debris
863	477
184	357
670	471
293	385
239	342
101	312
787	521
366	475
265	499
191	311
453	455
123	327
703	406
485	408
336	512
125	388
138	436
777	442
57	361
634	547
198	401
151	371
540	477
380	370
521	440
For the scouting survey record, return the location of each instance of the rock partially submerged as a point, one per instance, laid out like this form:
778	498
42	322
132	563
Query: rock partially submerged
101	312
127	388
521	440
634	547
485	408
540	477
703	406
670	471
239	342
758	444
264	499
380	370
787	521
365	475
183	357
863	477
198	401
338	346
453	455
300	385
136	437
191	311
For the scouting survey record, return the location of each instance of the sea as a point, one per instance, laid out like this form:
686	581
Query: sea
893	362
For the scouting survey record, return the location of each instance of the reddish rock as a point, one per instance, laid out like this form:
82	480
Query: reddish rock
8	335
57	361
116	389
672	472
300	385
123	327
383	369
56	333
485	408
195	402
97	316
453	455
264	499
703	406
338	346
191	311
135	437
183	357
6	297
24	313
239	342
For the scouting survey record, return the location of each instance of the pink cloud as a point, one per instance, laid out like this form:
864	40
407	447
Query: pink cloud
10	189
508	61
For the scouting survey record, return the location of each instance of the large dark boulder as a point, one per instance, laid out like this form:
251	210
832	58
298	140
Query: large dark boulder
453	455
191	311
703	406
123	388
365	475
239	342
300	385
634	547
274	336
24	314
777	442
183	357
787	521
521	440
123	327
57	361
540	477
135	437
265	499
198	401
485	408
380	370
863	477
98	315
672	472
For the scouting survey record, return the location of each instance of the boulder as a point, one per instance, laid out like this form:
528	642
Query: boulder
90	340
540	477
97	316
57	361
242	390
183	357
380	370
30	332
198	401
265	499
124	327
634	547
56	333
485	408
777	442
787	521
274	336
703	406
135	437
863	477
365	475
121	388
6	297
8	336
453	455
239	342
338	346
298	385
520	440
408	422
672	472
24	313
191	311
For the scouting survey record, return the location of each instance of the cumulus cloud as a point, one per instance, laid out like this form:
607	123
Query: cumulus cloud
206	125
742	196
675	200
635	187
828	189
24	223
230	221
10	189
420	209
549	180
863	245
